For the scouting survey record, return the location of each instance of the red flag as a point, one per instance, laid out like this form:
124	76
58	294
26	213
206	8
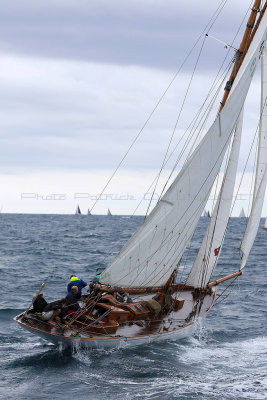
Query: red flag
216	251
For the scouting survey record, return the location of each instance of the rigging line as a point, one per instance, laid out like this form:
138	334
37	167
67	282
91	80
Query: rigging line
242	178
183	151
204	118
217	302
192	123
162	96
253	182
178	119
215	79
224	61
222	150
245	167
200	109
217	75
221	272
173	254
179	256
78	313
208	250
160	263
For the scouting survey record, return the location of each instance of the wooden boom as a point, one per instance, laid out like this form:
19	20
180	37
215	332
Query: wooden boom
215	283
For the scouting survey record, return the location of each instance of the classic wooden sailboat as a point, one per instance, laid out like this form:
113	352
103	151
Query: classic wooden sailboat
147	267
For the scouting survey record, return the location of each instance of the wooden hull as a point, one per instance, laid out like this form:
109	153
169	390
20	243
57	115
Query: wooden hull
96	342
182	324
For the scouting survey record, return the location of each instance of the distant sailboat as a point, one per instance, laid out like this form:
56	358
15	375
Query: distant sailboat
265	224
206	214
242	213
109	213
89	212
78	211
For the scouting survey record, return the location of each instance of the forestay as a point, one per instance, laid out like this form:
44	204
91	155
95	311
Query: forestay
154	251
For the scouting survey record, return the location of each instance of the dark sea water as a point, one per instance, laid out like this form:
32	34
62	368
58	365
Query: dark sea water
225	359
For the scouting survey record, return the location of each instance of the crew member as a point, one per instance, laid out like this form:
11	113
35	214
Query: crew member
75	281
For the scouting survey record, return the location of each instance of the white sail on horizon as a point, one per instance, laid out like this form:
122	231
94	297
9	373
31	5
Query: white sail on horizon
78	210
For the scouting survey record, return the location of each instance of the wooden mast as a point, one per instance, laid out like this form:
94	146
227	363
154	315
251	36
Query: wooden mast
247	38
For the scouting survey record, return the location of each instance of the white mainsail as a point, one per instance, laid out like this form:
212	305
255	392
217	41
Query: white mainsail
208	254
265	224
151	255
261	173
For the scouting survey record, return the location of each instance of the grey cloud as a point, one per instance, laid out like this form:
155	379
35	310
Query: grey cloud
148	33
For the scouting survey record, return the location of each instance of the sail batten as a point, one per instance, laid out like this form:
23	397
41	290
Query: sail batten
154	251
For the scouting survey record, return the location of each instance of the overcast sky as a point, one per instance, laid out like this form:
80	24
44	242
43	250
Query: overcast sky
78	80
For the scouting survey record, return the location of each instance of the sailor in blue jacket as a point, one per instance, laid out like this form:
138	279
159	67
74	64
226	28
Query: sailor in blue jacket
75	281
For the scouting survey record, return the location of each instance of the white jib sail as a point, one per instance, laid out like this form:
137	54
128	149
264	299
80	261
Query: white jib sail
154	251
208	254
261	173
